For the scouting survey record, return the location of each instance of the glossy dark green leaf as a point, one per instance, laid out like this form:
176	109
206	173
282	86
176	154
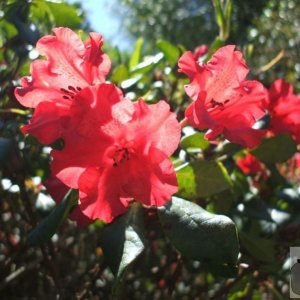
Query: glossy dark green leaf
170	51
198	234
202	178
122	241
48	227
276	149
194	142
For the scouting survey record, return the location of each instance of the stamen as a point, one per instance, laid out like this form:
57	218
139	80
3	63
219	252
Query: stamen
66	91
71	88
120	156
220	105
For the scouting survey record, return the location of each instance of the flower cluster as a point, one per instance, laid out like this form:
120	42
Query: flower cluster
223	101
117	151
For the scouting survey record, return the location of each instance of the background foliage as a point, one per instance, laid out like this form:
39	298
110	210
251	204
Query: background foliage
157	261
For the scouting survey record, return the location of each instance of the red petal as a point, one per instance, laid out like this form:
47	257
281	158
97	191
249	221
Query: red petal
43	86
149	182
96	64
156	126
45	123
188	65
100	196
284	108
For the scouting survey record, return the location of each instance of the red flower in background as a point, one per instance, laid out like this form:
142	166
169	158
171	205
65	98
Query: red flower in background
71	65
224	102
284	108
118	151
250	165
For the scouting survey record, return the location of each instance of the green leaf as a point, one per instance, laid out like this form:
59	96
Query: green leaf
136	55
194	142
198	234
170	51
227	16
120	74
6	146
276	149
202	178
65	15
261	248
128	83
216	44
220	19
48	227
122	241
147	65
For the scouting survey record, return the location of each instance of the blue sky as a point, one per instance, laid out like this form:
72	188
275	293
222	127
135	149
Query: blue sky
105	21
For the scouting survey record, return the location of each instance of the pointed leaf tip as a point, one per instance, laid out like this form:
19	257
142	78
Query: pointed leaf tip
123	240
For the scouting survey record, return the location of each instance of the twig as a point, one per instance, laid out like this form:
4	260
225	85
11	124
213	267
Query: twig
226	288
271	63
11	277
97	270
49	264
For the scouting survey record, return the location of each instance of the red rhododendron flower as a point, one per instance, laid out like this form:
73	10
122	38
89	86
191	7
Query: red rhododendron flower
224	102
118	151
291	169
284	108
71	65
250	165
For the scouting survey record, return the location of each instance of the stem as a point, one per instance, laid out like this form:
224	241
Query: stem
183	122
271	63
224	290
14	111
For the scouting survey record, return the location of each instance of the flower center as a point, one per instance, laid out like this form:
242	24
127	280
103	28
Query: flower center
121	155
215	104
71	92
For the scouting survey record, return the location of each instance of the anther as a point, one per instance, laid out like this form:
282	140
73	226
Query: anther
65	91
71	88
